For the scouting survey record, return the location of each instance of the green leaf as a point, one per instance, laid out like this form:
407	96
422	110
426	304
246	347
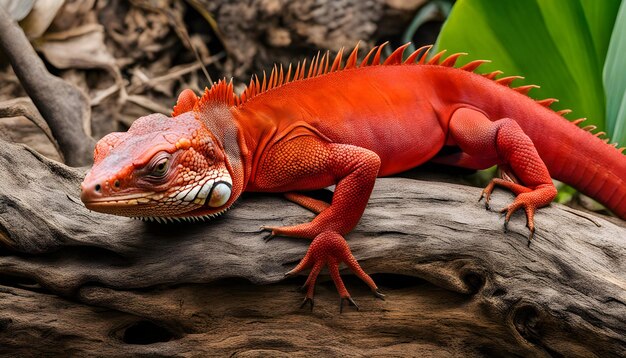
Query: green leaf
615	80
600	15
566	193
557	44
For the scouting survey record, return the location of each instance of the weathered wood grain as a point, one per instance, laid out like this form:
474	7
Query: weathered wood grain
456	283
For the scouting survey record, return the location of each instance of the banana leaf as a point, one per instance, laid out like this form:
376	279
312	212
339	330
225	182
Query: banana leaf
560	45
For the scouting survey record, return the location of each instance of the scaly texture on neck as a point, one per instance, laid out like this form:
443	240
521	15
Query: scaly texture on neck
217	118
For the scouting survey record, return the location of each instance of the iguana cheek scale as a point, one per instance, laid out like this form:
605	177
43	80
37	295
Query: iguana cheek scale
331	123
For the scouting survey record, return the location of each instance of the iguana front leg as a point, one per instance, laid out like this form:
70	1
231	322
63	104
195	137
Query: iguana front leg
305	163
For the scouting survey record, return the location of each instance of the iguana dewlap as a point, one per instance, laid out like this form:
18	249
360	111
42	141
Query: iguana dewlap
330	123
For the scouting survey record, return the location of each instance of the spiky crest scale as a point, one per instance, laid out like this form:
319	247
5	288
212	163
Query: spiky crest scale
376	60
396	56
351	62
412	57
425	56
493	75
336	64
524	89
436	58
506	81
366	59
451	60
547	102
223	92
472	66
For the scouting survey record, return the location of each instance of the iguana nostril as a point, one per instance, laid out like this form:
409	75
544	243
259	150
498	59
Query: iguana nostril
117	183
97	188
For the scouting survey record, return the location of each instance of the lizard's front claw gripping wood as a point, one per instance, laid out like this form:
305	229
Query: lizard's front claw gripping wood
331	249
344	123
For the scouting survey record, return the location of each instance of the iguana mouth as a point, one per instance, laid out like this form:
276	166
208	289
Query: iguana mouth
130	199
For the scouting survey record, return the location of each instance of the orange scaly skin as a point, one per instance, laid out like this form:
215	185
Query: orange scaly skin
330	124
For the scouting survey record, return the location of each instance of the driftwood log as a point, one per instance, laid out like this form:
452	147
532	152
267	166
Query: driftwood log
73	282
77	283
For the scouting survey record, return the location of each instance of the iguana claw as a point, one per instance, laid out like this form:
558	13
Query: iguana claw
304	302
379	294
506	220
530	211
350	301
485	195
269	236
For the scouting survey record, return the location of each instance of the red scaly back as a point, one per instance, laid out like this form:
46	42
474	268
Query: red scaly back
222	92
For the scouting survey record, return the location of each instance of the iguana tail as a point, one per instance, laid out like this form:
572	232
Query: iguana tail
582	159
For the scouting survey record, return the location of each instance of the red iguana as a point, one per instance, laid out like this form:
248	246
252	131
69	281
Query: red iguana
346	125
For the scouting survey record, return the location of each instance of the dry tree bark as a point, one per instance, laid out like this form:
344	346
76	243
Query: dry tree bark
456	283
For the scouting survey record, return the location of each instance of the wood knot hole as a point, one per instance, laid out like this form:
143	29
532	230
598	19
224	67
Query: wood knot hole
146	332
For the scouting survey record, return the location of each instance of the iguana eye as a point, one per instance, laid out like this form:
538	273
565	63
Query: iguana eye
160	166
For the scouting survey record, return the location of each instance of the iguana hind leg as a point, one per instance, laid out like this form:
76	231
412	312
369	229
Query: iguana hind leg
504	142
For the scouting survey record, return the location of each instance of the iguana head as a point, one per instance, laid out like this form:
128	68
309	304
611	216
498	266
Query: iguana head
162	167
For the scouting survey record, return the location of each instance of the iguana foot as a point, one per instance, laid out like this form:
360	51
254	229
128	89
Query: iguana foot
529	208
329	248
527	198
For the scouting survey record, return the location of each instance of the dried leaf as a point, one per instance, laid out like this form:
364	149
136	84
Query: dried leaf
78	48
40	17
17	9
